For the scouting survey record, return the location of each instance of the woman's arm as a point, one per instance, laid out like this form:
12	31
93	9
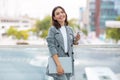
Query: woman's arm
60	70
55	57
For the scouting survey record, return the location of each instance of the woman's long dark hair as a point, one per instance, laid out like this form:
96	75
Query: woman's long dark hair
55	22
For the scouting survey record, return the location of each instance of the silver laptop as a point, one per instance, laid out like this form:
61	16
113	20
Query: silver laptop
66	63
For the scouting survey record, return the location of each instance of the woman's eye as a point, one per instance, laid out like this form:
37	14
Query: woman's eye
57	13
62	12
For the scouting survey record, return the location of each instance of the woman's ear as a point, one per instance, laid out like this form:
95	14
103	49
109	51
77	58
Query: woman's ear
54	18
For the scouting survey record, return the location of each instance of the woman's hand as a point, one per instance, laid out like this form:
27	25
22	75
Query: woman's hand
60	70
77	37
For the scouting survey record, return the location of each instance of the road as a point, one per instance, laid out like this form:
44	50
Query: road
30	63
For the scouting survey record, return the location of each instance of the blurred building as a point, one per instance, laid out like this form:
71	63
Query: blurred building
117	6
20	23
101	11
85	18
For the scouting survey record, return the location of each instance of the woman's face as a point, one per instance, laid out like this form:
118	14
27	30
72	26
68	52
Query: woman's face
60	15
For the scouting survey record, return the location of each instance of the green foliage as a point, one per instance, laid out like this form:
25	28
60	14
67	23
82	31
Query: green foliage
85	31
78	26
17	34
44	34
118	18
11	31
34	30
113	33
22	35
73	23
43	26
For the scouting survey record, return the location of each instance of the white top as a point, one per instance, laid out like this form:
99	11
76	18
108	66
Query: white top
64	34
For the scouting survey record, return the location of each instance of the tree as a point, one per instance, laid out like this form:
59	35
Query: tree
85	31
43	26
113	33
44	34
118	18
22	35
73	24
17	34
11	31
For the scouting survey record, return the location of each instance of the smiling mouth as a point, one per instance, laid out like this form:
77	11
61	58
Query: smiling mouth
61	18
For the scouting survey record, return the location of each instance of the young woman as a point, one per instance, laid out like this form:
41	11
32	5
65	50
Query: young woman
60	41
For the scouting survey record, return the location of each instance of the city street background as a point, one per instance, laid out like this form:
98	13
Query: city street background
24	26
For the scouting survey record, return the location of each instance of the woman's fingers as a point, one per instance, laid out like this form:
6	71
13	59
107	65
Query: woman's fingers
60	70
77	36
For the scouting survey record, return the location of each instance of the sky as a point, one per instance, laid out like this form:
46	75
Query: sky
41	8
